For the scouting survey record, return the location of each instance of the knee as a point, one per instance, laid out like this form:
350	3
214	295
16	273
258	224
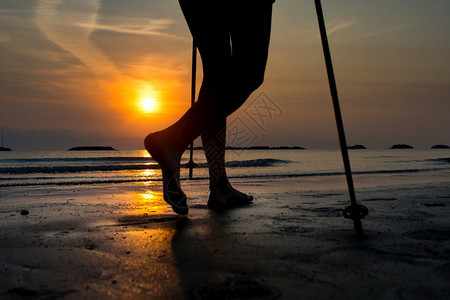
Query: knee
256	81
250	81
240	83
241	87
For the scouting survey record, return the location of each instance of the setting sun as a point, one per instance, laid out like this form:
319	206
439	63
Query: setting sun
149	104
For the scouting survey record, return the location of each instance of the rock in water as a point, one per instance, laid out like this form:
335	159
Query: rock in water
440	147
356	147
92	148
401	146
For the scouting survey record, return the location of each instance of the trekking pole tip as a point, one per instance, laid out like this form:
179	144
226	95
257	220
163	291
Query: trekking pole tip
356	212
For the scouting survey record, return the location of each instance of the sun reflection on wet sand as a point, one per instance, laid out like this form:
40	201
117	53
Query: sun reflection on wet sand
147	259
143	236
150	202
149	243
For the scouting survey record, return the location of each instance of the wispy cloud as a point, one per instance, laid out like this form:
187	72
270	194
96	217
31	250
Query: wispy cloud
56	19
135	26
310	34
69	24
334	27
381	32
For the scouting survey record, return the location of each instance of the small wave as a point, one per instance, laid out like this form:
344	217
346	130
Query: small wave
38	181
79	182
444	160
74	169
267	162
122	167
253	163
131	159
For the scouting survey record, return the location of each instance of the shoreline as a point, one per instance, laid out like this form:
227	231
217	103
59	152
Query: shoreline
122	241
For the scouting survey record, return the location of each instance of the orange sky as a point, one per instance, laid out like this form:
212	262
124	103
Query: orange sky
81	69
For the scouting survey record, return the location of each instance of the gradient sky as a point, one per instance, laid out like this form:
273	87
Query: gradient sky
73	72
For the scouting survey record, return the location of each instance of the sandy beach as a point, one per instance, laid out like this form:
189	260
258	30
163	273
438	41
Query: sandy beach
123	242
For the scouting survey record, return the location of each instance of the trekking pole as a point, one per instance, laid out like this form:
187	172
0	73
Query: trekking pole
355	211
193	80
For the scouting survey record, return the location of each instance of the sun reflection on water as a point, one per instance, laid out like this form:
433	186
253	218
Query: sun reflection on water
150	174
144	153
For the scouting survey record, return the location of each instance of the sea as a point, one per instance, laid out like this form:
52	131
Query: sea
40	168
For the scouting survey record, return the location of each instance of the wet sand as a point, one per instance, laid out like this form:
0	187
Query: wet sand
123	242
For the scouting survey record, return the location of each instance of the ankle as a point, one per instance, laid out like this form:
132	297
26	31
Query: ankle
220	185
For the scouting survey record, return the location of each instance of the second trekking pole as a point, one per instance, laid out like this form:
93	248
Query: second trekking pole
355	211
193	81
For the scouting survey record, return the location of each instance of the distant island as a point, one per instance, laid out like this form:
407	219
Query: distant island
259	148
354	147
92	148
401	146
440	147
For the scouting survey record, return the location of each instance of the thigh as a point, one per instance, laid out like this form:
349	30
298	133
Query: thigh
250	34
209	26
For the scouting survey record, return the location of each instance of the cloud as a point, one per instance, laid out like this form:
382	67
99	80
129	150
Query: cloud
70	25
381	32
73	27
135	26
337	26
56	20
310	33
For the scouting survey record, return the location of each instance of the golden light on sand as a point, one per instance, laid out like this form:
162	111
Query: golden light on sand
150	203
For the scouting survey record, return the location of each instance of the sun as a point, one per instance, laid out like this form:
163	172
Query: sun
149	104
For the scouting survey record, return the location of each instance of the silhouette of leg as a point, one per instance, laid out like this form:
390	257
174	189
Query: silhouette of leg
222	193
167	146
250	34
250	26
229	78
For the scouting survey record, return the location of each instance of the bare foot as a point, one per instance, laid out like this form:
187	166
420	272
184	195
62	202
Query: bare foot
228	197
168	158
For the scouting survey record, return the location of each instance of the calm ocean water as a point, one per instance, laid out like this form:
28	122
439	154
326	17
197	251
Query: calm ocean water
109	167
